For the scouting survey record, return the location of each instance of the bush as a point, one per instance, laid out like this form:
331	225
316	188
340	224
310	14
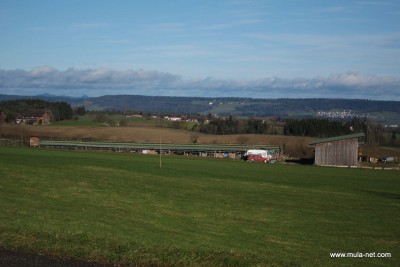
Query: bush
100	118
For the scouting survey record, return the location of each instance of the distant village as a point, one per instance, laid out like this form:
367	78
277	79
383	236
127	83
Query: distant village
349	114
344	114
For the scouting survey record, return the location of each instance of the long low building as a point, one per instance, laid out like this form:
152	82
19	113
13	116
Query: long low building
190	149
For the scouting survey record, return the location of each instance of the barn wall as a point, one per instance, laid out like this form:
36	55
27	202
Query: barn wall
339	153
34	141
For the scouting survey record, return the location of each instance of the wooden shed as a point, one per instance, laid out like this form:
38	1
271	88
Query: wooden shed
34	141
338	151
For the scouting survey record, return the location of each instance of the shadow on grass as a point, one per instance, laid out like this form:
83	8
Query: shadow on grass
16	259
383	194
302	161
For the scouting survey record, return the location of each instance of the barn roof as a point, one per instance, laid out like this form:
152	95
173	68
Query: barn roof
338	138
141	146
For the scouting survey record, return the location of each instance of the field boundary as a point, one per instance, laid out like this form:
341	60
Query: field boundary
380	168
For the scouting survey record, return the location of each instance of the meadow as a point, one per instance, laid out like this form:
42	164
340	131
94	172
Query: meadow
122	208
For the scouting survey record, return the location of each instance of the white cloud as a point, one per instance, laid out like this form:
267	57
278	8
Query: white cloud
40	71
101	81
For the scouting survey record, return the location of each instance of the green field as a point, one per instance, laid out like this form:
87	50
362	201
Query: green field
123	208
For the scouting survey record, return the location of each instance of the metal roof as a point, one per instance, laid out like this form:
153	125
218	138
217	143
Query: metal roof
192	147
338	138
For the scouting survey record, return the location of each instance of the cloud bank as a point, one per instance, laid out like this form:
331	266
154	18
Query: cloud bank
103	81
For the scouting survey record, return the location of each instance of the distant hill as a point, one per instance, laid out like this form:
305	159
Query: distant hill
387	112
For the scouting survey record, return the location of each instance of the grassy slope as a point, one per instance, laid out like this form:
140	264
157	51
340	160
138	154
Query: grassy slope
116	207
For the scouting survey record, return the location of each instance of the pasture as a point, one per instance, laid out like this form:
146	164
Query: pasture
123	208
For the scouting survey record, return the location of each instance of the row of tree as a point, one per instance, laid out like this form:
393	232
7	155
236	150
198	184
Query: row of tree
316	127
297	127
232	125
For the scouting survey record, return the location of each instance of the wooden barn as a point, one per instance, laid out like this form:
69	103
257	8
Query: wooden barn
338	151
34	141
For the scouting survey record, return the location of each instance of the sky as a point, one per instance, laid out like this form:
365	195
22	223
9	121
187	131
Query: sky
224	48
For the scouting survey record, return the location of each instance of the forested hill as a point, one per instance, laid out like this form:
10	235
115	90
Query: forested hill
384	111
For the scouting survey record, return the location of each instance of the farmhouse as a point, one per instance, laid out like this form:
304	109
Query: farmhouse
35	116
338	151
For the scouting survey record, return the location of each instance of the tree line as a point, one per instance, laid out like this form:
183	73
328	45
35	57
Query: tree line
232	125
297	127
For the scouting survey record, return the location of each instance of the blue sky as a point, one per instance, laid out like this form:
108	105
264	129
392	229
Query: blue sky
267	49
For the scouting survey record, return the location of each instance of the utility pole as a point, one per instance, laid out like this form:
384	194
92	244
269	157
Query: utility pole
160	151
21	136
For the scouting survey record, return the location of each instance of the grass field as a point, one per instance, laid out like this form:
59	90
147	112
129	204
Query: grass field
123	208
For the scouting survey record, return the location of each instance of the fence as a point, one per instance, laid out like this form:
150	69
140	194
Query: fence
14	142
